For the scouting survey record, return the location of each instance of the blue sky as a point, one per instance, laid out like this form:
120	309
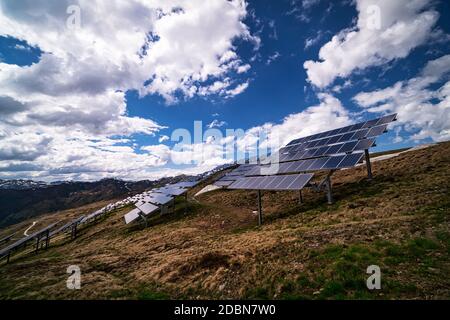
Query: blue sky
88	102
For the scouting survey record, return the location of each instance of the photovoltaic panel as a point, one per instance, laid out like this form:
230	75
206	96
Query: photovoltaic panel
351	160
376	131
159	198
148	208
171	191
223	183
367	124
132	215
348	147
370	123
228	178
144	200
184	184
364	144
333	162
285	182
323	163
356	135
387	119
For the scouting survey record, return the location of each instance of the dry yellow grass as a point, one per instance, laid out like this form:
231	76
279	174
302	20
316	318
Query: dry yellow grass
216	250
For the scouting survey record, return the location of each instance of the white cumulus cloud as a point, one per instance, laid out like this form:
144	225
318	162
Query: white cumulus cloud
385	30
422	102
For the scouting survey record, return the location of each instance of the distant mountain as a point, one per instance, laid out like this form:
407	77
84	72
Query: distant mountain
22	184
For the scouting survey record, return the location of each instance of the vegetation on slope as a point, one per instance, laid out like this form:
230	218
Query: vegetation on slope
399	221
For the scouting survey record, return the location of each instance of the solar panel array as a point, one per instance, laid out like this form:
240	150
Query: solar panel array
348	129
324	163
229	178
345	147
280	182
22	242
156	199
331	150
67	226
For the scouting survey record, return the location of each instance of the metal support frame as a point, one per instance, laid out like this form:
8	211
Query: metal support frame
38	239
300	197
325	184
145	220
329	190
260	214
73	233
368	164
47	240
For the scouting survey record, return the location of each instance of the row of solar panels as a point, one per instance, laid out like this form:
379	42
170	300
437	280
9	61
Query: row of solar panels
323	163
67	226
151	201
331	150
345	137
345	147
285	182
362	125
16	245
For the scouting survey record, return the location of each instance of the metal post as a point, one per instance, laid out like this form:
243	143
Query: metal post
329	194
7	258
37	243
368	165
260	217
300	197
145	220
47	240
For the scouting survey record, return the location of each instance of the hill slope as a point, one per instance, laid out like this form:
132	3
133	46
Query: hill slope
399	221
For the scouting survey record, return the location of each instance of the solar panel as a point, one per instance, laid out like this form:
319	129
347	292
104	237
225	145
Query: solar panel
351	160
223	183
148	208
228	178
132	215
387	119
333	162
158	198
141	202
282	182
376	131
323	163
171	191
184	184
345	130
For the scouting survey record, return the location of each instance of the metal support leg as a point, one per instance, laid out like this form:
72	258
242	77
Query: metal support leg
329	191
9	256
38	239
145	220
260	217
47	239
300	197
368	165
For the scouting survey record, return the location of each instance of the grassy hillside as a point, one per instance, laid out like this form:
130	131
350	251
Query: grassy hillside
399	221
